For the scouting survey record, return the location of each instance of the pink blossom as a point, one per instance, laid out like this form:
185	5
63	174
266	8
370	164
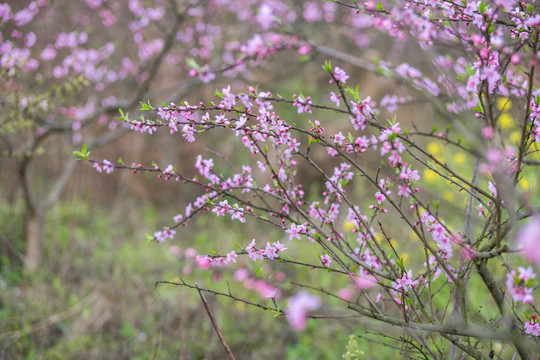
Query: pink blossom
203	262
190	253
405	282
175	250
282	174
334	98
261	166
304	49
488	132
265	17
532	327
338	138
222	208
408	174
279	246
528	238
331	151
340	75
492	188
231	257
30	39
97	166
241	274
364	281
345	294
295	231
312	12
302	104
480	210
26	15
326	260
404	190
298	308
380	197
5	13
161	236
271	293
270	252
107	166
518	288
93	3
49	53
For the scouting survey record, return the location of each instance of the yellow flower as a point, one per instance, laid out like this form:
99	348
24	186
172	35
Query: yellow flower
506	122
460	158
430	176
448	195
434	148
524	183
504	103
348	226
405	257
515	136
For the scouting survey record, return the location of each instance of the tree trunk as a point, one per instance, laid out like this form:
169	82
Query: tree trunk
35	232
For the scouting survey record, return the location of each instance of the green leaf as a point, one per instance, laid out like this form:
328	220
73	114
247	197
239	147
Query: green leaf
327	66
192	63
482	8
379	6
258	271
83	154
313	140
120	162
146	106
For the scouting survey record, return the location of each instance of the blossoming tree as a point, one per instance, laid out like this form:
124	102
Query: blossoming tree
66	67
480	89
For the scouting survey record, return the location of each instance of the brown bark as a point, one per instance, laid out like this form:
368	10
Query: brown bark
35	229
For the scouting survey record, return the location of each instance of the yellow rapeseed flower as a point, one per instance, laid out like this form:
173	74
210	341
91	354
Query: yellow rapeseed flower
524	183
348	226
448	195
434	148
506	122
504	103
515	136
430	176
405	257
460	158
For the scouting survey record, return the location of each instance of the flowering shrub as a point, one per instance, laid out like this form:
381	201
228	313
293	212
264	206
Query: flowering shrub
410	260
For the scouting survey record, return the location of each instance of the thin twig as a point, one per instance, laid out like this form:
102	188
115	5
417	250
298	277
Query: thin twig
215	325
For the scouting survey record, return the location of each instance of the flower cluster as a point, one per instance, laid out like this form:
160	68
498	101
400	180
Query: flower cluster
378	198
